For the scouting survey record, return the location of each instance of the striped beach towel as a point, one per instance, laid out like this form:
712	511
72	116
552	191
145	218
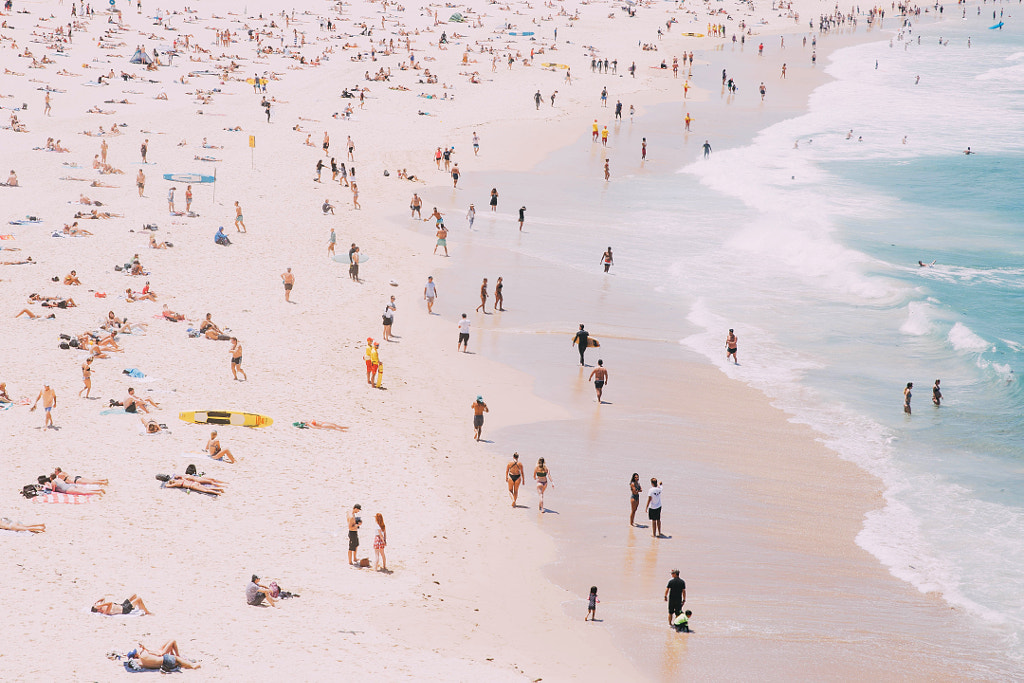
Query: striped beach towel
62	498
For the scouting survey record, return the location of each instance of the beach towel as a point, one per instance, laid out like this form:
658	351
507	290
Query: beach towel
113	411
66	498
6	406
133	372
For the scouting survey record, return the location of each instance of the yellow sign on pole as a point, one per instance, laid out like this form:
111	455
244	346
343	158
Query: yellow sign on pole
252	140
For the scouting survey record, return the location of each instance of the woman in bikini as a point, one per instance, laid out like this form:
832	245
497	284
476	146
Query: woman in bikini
542	475
513	474
108	607
9	525
634	496
216	452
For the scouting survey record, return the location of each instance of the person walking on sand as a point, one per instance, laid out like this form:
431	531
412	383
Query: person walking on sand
238	219
522	217
907	394
289	281
483	297
499	296
514	475
144	150
600	378
46	104
643	150
936	394
415	205
455	175
170	199
429	294
542	475
730	347
49	397
635	489
494	199
442	238
581	340
331	242
653	507
675	596
463	335
592	605
86	377
103	151
140	182
607	260
607	170
479	408
236	360
471	215
353	534
380	542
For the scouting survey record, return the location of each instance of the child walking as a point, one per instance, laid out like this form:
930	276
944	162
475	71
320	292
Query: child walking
592	604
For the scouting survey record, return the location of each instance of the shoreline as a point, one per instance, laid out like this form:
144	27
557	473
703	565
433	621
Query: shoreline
470	596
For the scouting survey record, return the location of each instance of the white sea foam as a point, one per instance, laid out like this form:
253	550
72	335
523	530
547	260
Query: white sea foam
964	339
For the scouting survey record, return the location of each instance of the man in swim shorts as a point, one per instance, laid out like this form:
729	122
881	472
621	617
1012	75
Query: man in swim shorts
730	347
479	408
600	377
49	397
463	335
236	359
289	282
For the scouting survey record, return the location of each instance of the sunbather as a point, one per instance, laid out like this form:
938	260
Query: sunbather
61	474
108	607
216	452
10	525
167	658
152	426
313	424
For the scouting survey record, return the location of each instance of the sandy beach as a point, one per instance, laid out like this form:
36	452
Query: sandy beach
473	589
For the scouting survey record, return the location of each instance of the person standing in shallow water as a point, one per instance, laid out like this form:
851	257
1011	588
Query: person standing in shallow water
936	394
730	347
907	394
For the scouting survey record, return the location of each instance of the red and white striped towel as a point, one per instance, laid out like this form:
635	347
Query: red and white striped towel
62	498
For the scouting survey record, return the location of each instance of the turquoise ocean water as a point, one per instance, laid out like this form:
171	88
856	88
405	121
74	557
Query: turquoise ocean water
810	252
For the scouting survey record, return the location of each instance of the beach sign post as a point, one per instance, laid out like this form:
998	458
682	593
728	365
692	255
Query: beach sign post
252	151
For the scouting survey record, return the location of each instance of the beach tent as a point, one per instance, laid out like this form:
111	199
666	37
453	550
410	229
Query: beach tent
457	18
141	57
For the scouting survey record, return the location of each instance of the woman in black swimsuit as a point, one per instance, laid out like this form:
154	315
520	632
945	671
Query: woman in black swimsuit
494	199
634	496
513	475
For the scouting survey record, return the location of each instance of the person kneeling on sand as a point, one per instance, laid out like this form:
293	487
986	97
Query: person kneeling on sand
167	658
108	607
256	593
215	451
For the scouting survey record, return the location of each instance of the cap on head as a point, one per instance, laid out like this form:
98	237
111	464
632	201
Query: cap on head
479	399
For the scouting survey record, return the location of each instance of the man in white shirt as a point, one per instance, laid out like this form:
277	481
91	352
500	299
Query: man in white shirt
654	507
463	335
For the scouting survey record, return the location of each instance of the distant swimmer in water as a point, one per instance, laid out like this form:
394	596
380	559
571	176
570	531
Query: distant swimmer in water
906	397
968	151
926	265
936	394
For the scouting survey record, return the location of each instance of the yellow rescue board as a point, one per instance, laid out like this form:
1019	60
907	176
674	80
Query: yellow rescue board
225	417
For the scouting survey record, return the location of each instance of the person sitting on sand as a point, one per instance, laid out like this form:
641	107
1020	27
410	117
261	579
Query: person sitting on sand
220	238
72	279
216	452
8	525
327	208
171	315
256	593
139	296
153	244
313	424
167	658
76	231
108	607
61	474
133	404
12	180
4	398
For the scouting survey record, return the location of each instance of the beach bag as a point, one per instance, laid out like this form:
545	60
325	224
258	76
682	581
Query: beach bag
190	470
73	343
64	345
365	562
31	490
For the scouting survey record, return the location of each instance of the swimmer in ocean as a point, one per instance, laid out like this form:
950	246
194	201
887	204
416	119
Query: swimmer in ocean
922	264
936	394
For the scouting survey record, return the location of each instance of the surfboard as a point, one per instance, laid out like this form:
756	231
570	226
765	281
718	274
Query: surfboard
999	25
225	417
520	33
555	66
263	81
343	258
189	178
592	343
693	35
